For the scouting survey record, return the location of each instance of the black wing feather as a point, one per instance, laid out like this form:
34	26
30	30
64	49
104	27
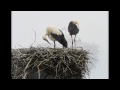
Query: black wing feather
72	29
60	38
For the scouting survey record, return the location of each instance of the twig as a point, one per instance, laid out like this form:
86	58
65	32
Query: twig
27	65
38	73
24	77
35	38
21	46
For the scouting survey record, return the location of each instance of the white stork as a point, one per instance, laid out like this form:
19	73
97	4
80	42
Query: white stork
55	34
73	29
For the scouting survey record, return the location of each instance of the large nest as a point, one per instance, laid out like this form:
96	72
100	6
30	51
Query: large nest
49	63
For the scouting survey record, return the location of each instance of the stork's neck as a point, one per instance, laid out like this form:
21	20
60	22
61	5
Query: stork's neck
44	37
46	33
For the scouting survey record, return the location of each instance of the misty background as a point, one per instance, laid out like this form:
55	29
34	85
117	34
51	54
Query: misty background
93	34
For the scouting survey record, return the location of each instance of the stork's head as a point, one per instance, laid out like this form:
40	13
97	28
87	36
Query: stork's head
44	38
74	22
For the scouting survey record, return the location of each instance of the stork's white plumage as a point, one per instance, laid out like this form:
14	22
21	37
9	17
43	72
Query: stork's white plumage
55	34
73	29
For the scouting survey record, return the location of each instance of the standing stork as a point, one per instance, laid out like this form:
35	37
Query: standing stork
73	29
55	34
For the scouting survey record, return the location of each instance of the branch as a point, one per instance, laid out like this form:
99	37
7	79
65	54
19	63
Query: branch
35	38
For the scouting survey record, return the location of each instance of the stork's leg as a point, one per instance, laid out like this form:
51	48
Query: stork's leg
72	41
54	45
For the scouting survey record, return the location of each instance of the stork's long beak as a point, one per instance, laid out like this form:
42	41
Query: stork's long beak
48	41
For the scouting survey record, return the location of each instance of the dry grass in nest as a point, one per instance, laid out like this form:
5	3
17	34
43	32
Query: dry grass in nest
59	63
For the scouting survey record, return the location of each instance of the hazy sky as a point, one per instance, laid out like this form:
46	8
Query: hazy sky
93	31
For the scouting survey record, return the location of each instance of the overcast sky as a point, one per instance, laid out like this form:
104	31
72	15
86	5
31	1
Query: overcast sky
93	32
